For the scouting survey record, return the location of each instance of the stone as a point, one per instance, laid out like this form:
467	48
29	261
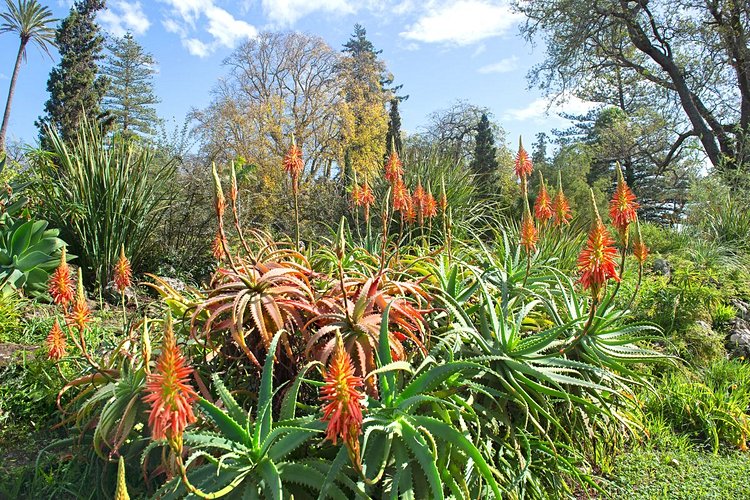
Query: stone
112	295
743	309
738	339
661	266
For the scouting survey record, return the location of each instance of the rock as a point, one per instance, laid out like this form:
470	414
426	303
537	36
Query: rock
661	266
178	285
743	309
112	295
738	339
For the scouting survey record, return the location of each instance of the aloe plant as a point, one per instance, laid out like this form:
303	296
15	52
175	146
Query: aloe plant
250	456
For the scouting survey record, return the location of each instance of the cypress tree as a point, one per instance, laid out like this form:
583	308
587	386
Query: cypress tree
393	137
75	88
130	98
484	165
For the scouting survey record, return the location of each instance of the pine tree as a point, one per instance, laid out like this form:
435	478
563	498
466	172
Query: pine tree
130	98
393	137
75	88
484	165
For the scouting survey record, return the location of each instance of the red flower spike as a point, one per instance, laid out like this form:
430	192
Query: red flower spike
523	167
60	285
342	402
623	207
123	274
169	392
597	259
543	203
56	343
80	314
394	171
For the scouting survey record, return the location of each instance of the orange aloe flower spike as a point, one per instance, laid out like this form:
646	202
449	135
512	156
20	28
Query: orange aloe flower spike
293	163
394	168
640	250
523	166
560	207
342	400
169	392
80	314
60	285
596	262
623	206
56	342
123	274
529	235
543	203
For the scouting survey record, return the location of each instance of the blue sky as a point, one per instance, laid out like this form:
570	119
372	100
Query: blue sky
439	50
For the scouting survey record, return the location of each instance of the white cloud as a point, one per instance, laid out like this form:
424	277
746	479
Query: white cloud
186	17
463	22
195	47
541	109
121	17
287	12
505	65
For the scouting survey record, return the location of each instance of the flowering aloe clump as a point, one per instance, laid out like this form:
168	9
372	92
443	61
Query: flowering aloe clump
343	402
523	166
123	275
60	284
597	259
80	314
394	168
543	203
169	392
56	343
560	207
623	206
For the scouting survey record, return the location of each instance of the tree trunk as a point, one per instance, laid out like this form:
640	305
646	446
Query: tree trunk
6	115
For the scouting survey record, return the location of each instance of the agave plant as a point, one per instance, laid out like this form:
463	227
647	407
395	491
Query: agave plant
249	456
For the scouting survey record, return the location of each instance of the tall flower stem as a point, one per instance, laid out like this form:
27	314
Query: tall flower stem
296	215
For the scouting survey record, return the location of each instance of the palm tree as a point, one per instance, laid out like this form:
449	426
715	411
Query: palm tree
33	23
